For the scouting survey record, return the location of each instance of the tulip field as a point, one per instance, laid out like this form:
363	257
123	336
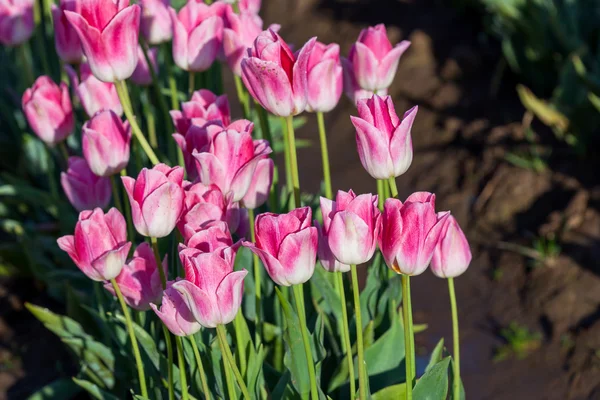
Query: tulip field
246	199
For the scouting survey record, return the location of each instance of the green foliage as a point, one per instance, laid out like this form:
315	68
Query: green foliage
520	342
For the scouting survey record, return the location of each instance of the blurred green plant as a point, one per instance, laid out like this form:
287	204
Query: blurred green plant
520	342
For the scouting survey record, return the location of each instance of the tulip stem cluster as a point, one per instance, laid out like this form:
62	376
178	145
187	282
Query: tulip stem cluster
229	363
455	340
132	338
347	345
293	161
200	367
169	346
257	281
362	365
181	362
299	299
324	155
408	335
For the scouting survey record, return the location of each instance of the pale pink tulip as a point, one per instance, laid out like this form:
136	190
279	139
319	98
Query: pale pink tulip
204	106
66	40
156	26
175	314
452	254
94	94
16	21
142	75
238	35
325	82
84	189
260	187
214	236
105	142
99	246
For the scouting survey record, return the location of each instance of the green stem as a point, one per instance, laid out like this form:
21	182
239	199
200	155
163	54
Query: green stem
324	155
116	196
200	366
380	193
293	160
455	339
408	335
191	83
171	78
346	332
263	119
171	387
98	294
362	366
40	36
299	297
62	147
257	282
150	119
393	187
243	97
240	350
135	128
163	278
134	344
130	232
25	61
181	362
286	157
226	351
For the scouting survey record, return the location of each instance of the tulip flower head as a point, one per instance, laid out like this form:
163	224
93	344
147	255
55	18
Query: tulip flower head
109	32
275	77
287	245
383	140
175	314
139	280
94	94
48	109
142	75
84	189
16	21
260	186
156	198
410	233
239	34
156	25
99	246
325	81
211	289
452	254
213	237
105	143
351	226
66	40
204	106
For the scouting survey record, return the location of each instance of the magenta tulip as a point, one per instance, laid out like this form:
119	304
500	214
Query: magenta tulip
197	34
66	40
452	254
249	6
275	77
99	246
175	314
139	280
238	35
108	31
84	189
260	186
287	245
211	289
94	94
16	21
372	63
48	109
142	75
213	237
156	199
156	26
410	233
325	81
231	159
105	142
383	140
204	106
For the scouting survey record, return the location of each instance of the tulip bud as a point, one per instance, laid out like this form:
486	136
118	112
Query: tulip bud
410	232
108	31
238	35
325	81
142	75
351	226
372	63
156	23
197	34
16	21
48	109
156	199
211	289
94	94
452	254
66	40
105	143
275	77
139	280
287	245
175	314
99	246
231	158
383	140
84	189
260	187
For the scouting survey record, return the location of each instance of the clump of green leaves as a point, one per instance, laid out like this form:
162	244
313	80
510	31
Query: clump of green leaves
520	342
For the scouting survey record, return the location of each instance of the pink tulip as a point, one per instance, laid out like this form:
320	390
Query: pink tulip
105	142
452	254
249	6
205	205
260	187
197	138
197	34
84	189
231	159
175	314
211	289
325	82
287	245
16	21
351	226
410	232
66	40
139	279
48	109
156	23
275	77
204	106
156	199
142	75
213	237
108	31
239	34
99	246
383	140
372	63
94	94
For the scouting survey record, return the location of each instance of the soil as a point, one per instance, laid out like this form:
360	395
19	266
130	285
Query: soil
469	122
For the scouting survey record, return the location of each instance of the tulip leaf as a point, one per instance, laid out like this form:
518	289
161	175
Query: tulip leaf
331	301
436	355
284	389
94	390
59	389
395	392
433	385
